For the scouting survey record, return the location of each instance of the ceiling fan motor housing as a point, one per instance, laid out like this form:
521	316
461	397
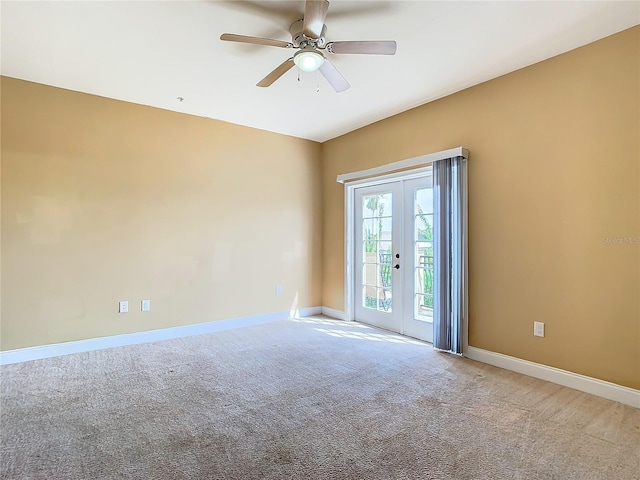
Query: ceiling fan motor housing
300	40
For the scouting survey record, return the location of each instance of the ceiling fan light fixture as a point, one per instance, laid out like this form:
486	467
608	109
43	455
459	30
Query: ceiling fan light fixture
308	60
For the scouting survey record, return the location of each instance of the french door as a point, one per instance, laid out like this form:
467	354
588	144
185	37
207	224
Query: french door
394	256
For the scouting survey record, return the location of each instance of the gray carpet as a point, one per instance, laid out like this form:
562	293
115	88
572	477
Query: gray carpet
302	399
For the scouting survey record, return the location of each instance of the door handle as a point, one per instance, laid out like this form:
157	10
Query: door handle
397	266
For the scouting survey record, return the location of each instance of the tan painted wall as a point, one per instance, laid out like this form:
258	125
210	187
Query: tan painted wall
105	201
554	170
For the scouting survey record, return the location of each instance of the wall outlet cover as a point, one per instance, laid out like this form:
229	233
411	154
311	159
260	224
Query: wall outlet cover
123	306
145	305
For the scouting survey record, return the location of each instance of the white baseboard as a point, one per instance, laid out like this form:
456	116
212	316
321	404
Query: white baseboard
601	388
58	349
305	312
333	313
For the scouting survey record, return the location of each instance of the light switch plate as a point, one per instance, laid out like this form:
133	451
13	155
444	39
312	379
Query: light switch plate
145	305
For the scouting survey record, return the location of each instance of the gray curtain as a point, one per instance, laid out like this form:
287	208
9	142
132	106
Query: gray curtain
449	251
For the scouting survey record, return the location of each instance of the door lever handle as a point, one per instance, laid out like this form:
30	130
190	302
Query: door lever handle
397	266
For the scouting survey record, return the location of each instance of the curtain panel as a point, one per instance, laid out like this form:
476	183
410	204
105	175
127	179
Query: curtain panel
450	252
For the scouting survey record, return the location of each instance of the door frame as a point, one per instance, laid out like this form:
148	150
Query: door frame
382	174
349	227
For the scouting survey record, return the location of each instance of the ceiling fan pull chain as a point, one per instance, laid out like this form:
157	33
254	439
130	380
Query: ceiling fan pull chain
298	74
317	82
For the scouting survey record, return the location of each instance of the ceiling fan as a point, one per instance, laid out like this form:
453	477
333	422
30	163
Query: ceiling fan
308	37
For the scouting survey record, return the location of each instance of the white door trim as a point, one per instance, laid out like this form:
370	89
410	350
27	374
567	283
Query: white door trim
349	229
410	168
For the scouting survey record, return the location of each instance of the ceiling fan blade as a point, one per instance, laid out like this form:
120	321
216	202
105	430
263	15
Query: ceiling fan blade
373	48
333	76
232	37
315	12
276	74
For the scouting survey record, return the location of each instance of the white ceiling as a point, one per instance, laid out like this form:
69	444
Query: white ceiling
151	52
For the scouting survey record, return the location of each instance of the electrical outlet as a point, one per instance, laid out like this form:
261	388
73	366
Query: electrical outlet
124	306
278	289
145	305
538	329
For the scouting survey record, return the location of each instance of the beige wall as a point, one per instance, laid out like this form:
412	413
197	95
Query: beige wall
554	169
105	201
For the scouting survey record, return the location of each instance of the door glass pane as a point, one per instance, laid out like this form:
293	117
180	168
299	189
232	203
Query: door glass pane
367	228
383	228
384	247
377	228
370	274
369	297
423	200
424	305
423	254
376	206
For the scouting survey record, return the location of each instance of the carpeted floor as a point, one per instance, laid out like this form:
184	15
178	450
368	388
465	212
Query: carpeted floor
302	399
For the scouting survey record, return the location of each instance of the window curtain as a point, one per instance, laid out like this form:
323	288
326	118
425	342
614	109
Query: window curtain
450	252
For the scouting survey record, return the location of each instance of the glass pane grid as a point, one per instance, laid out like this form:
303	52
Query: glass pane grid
376	250
423	254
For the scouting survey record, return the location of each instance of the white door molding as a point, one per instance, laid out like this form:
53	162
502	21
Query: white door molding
349	228
402	170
